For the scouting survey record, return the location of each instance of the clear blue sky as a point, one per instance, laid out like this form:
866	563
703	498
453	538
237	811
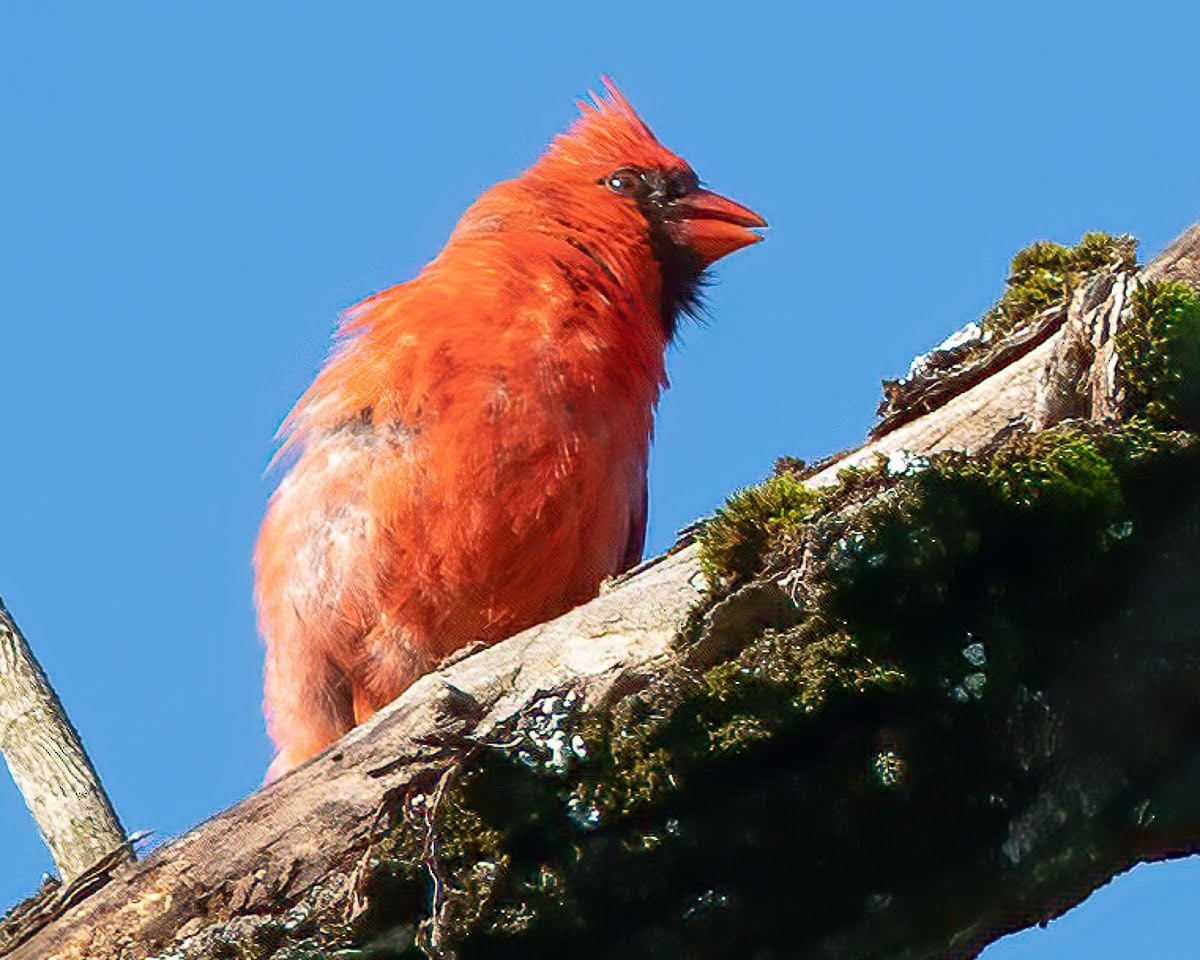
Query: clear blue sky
193	191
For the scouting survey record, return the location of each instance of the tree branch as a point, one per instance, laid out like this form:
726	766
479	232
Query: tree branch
881	805
48	763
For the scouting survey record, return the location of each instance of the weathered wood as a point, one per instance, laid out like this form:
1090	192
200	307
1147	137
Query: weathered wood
312	828
1179	261
48	763
924	392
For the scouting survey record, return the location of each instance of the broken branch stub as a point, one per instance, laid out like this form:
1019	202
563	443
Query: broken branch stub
47	760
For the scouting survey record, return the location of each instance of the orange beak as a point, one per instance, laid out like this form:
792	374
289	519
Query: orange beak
714	226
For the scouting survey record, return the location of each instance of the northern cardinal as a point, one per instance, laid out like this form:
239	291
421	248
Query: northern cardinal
472	458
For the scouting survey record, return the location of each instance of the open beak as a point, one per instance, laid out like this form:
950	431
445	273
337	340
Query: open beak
714	226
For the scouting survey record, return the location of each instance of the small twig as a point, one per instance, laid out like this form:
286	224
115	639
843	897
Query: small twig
429	857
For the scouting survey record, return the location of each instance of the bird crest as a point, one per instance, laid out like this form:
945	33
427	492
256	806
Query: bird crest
608	131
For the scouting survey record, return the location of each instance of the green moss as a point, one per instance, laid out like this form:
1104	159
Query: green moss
1060	469
630	770
1140	443
807	665
962	577
1159	347
734	541
1098	250
1041	276
1041	256
1046	274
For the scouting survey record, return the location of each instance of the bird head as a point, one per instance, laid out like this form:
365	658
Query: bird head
610	164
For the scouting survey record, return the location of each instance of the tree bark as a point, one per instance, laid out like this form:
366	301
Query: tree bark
304	849
48	763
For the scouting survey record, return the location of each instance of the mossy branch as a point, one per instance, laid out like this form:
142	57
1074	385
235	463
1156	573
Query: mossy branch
891	706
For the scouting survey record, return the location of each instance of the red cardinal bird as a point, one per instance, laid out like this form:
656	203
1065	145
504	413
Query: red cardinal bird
473	455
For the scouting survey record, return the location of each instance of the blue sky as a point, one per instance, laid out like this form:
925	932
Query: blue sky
193	192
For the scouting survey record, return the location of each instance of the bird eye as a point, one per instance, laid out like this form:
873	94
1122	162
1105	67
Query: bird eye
625	180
